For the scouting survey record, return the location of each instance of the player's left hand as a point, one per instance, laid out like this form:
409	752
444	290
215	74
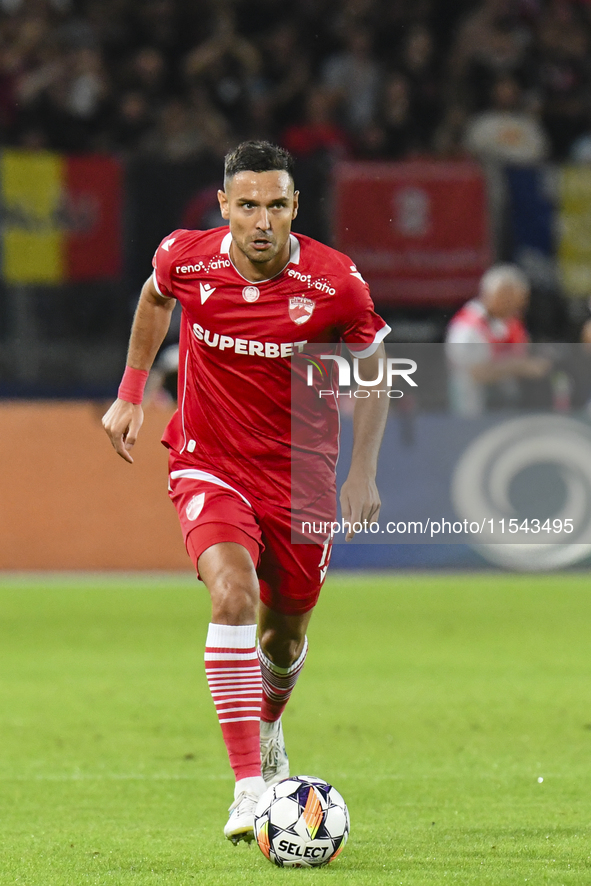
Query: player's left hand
360	500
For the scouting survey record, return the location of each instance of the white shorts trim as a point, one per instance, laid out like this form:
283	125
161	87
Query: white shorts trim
194	474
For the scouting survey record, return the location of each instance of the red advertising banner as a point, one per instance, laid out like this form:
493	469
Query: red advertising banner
418	230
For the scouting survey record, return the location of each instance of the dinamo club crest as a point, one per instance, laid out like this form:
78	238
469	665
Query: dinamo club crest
301	309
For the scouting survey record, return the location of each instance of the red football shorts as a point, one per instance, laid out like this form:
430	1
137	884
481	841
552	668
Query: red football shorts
212	511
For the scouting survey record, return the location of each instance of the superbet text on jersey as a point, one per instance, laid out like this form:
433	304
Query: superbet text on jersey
234	415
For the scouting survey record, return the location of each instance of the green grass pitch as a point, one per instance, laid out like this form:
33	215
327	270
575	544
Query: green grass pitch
436	705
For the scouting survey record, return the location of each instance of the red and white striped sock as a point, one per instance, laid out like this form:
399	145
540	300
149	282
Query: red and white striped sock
278	683
234	679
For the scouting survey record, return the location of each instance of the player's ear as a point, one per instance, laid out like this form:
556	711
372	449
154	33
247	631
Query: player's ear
296	203
224	205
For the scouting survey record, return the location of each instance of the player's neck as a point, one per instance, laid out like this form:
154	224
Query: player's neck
256	272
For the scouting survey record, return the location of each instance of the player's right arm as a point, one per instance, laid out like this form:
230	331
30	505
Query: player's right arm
123	420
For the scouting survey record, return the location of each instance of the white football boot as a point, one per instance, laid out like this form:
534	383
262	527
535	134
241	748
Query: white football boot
240	825
274	760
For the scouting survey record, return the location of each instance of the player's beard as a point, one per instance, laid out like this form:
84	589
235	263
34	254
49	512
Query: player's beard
261	258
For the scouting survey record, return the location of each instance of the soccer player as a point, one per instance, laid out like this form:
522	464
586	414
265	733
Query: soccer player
253	296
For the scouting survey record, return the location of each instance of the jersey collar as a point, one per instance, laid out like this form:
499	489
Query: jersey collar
294	251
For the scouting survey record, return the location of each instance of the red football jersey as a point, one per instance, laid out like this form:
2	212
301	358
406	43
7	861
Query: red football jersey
234	419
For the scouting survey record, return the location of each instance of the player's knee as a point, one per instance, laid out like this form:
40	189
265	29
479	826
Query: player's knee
282	649
234	598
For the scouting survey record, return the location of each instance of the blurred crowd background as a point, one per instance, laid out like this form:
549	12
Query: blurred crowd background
168	86
382	79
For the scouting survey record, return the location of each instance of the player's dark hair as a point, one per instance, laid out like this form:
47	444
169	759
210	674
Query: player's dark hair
258	156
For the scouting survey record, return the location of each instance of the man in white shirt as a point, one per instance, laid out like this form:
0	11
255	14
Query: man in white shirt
486	342
506	133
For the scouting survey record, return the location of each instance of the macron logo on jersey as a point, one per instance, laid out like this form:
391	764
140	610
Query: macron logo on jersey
168	243
206	290
355	273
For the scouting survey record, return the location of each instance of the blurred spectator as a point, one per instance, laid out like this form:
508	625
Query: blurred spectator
491	41
132	119
284	76
394	134
156	23
420	67
394	20
317	133
147	73
7	92
448	140
506	133
564	77
504	56
203	210
486	343
580	151
354	79
397	119
213	127
88	88
161	389
107	20
176	136
227	65
68	101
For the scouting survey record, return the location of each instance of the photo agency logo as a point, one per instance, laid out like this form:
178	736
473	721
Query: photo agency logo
527	481
389	370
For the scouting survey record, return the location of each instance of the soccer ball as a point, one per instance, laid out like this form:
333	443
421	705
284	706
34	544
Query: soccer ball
301	822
